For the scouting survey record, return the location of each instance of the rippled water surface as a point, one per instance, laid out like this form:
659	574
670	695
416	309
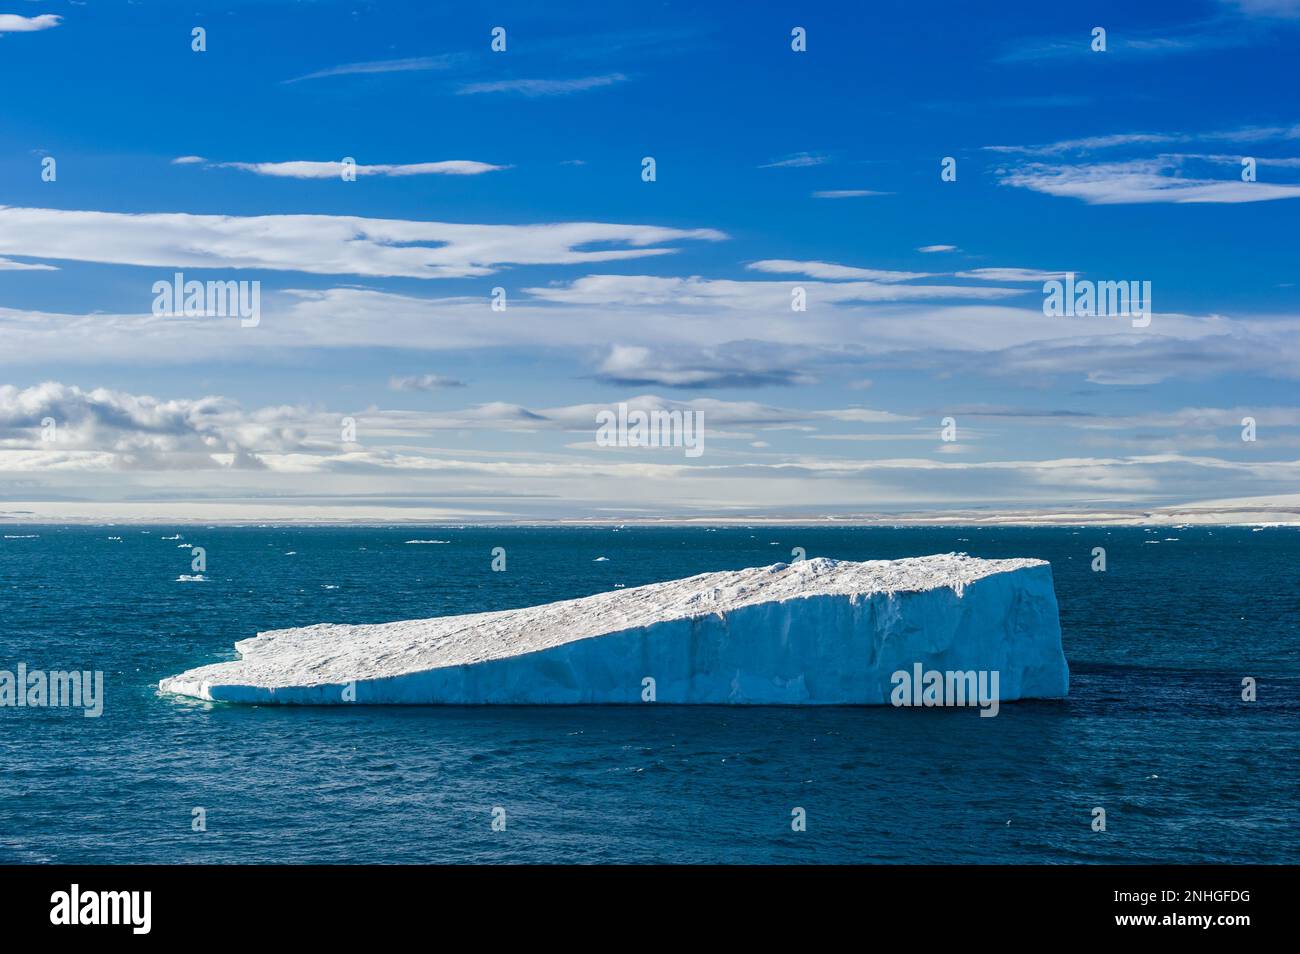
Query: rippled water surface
1155	730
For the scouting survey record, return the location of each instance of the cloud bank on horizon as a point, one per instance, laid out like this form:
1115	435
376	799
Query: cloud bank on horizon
465	245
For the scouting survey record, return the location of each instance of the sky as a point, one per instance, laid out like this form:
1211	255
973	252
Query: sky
519	176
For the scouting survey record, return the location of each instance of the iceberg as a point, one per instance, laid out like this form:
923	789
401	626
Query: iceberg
814	632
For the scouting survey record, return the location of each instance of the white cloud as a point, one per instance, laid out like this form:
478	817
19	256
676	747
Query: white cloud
1010	275
307	169
800	160
692	331
412	64
140	430
8	264
322	244
1088	143
862	415
1277	162
137	430
1139	181
14	23
1242	134
423	382
220	457
929	249
655	290
846	193
695	367
543	87
832	272
689	325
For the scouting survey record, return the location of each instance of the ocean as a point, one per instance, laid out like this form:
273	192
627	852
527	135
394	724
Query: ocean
1155	730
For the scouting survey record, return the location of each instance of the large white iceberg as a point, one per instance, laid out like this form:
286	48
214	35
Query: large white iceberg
815	632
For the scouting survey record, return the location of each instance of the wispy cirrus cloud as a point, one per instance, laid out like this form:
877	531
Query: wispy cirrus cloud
409	65
1084	144
846	193
323	244
1169	177
799	160
308	169
831	271
1139	181
1009	275
696	292
1088	143
1214	34
543	87
1275	162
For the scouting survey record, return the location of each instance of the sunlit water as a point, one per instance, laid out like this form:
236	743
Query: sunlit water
1155	730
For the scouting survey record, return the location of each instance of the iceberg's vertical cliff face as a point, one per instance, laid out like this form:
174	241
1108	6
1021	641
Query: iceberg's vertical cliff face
817	632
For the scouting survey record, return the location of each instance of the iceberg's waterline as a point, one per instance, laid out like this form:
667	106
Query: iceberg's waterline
816	632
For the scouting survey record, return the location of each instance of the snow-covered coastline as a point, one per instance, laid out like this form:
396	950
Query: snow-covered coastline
817	631
1275	510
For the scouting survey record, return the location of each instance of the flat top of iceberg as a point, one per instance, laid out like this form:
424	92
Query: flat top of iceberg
339	653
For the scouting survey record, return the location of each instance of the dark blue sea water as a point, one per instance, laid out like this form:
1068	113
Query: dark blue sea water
1154	731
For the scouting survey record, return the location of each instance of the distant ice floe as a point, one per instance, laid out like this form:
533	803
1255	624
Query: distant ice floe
428	541
21	536
814	632
601	560
188	578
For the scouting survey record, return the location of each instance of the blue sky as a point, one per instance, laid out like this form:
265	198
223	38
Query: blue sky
775	169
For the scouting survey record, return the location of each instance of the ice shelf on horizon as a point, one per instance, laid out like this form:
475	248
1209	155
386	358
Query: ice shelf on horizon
814	632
